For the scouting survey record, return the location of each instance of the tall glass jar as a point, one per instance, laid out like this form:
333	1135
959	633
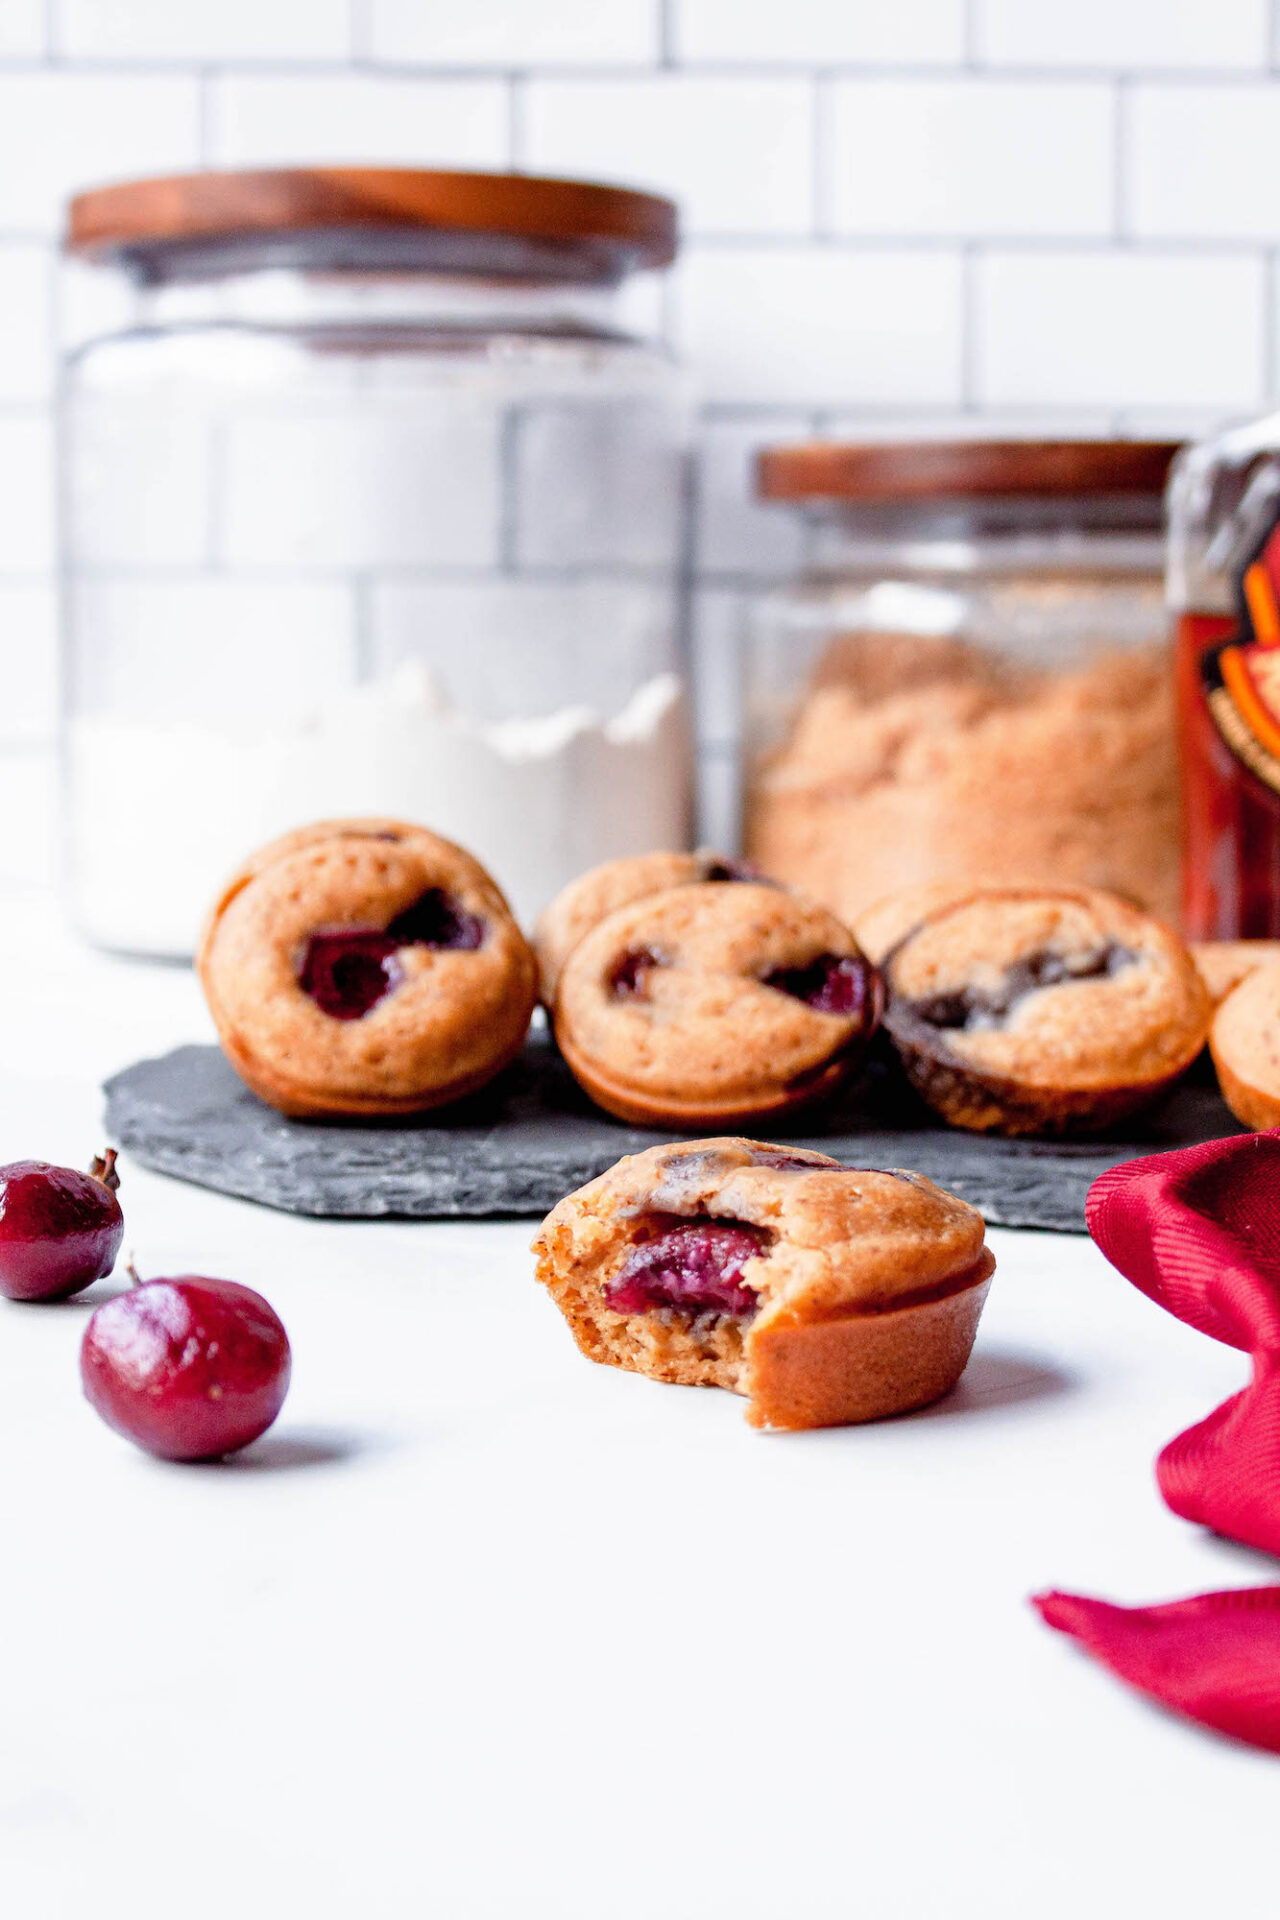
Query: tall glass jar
372	504
1224	591
971	679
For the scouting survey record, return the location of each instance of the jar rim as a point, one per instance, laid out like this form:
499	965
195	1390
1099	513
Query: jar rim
892	472
622	228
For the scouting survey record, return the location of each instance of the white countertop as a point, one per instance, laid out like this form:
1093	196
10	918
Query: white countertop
482	1630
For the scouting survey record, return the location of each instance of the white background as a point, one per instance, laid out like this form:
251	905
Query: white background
480	1631
902	214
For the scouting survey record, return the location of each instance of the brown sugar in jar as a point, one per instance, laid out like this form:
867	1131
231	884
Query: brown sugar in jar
972	680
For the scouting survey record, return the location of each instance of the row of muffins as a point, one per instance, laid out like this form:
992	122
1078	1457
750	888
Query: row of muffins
368	967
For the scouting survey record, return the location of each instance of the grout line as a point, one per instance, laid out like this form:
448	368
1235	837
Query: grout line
207	81
1172	246
309	65
1121	138
360	31
216	465
511	433
362	625
821	198
517	122
667	55
969	328
972	53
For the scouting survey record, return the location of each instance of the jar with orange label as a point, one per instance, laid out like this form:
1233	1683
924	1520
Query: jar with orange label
1224	589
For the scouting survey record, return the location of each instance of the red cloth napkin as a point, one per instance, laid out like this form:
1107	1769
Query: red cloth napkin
1199	1232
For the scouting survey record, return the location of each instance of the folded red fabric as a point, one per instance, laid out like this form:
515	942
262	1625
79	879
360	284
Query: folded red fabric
1215	1658
1199	1232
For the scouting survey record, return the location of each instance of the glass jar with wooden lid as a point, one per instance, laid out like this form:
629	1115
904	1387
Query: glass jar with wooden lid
372	497
970	681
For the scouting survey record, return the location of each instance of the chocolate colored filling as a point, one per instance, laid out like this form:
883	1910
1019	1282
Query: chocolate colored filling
969	1009
692	1266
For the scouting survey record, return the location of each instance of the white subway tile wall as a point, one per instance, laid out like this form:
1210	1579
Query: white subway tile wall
923	216
203	29
278	121
514	33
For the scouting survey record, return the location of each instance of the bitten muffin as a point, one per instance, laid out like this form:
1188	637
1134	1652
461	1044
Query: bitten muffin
1020	1011
365	967
825	1294
707	1004
1223	964
586	901
1245	1043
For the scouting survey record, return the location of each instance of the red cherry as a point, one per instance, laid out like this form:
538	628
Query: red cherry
189	1368
840	983
59	1229
695	1267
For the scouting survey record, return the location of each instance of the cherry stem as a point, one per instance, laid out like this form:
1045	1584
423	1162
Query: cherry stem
135	1278
102	1168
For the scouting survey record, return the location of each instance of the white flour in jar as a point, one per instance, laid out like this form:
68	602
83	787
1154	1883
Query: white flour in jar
163	813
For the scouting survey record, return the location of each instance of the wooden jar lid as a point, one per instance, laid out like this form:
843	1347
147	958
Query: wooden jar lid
941	469
631	229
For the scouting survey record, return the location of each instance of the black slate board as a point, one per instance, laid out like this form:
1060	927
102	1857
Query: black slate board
532	1136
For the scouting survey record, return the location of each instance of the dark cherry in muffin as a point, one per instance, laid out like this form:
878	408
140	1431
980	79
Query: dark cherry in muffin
365	967
708	1002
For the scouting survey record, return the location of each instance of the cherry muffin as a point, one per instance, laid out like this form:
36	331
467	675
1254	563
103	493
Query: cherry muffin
365	967
1245	1043
1223	964
708	1003
586	901
825	1294
1021	1011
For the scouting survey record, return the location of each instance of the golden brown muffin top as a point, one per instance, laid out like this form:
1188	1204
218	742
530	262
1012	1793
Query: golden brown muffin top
1223	964
696	996
589	899
1064	988
451	1010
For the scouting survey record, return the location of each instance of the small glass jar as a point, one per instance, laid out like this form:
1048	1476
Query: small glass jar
971	680
1224	593
372	504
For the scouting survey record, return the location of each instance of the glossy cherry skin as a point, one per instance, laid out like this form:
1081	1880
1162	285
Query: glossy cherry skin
60	1230
189	1368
